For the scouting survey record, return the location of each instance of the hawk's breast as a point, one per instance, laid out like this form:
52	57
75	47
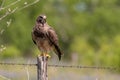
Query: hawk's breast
44	45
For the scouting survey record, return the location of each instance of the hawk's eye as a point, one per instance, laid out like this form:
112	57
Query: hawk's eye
40	19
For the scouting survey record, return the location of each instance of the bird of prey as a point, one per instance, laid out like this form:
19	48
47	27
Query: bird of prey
45	37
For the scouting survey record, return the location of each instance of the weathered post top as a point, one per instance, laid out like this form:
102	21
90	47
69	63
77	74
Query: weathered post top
42	68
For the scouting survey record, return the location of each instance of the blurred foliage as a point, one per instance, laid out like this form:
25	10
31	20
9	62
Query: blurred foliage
10	52
90	28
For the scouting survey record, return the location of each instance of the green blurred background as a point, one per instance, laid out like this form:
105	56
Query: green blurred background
88	30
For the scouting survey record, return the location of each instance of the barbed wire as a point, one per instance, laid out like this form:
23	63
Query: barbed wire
85	67
64	66
18	64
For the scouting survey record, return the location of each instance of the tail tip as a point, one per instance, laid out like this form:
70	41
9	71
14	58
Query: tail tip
59	57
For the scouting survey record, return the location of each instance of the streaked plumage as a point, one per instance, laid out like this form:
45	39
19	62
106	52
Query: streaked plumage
45	37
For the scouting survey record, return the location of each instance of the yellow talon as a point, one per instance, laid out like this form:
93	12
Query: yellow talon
47	55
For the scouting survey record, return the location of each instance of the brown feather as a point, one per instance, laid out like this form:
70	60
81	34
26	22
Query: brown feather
45	37
51	35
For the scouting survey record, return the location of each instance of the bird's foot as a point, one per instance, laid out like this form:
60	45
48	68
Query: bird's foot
47	55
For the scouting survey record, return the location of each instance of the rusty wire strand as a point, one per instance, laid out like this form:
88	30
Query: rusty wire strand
63	66
85	67
18	64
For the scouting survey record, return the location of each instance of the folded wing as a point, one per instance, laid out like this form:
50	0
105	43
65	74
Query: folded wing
53	39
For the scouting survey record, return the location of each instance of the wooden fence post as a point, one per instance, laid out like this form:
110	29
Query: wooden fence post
42	68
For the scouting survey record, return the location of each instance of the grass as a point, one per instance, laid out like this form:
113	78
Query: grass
30	73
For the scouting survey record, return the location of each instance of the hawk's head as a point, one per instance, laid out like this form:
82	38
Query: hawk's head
41	19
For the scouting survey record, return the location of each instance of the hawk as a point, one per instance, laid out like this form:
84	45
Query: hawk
45	37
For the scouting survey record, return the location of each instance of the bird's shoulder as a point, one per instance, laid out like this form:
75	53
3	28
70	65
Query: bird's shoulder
52	35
